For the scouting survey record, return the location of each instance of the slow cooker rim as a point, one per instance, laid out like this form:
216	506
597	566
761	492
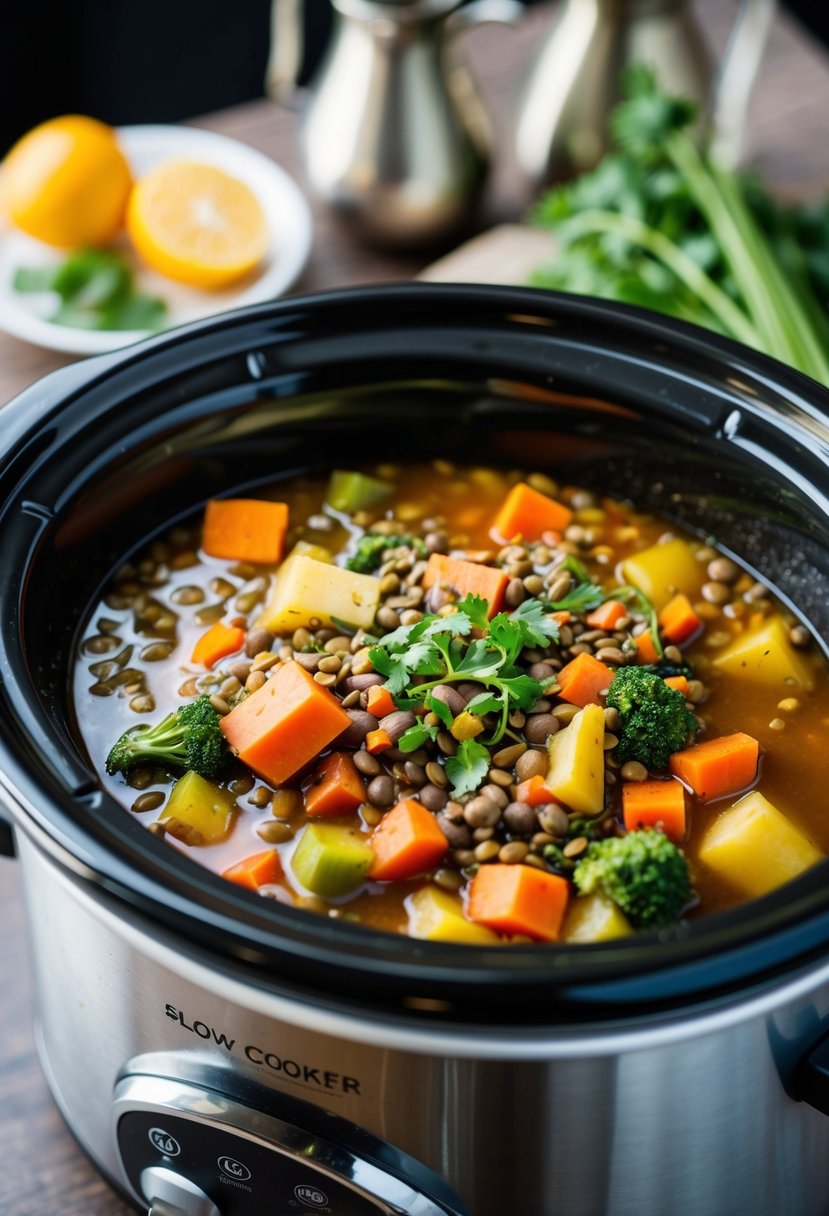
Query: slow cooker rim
429	966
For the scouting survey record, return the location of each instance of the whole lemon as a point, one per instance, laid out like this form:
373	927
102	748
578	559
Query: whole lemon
67	182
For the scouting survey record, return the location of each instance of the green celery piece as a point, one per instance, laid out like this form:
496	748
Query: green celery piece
769	278
331	859
689	273
350	492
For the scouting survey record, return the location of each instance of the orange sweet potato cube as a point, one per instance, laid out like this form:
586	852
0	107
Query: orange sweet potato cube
279	728
467	578
245	529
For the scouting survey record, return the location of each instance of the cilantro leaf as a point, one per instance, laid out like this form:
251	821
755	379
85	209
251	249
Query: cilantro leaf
458	623
537	627
479	661
508	635
583	598
523	691
441	709
477	609
424	659
440	647
484	703
392	666
416	736
468	767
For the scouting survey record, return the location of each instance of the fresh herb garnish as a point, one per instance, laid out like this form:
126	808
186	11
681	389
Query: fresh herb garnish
371	546
584	597
96	291
440	647
661	224
468	767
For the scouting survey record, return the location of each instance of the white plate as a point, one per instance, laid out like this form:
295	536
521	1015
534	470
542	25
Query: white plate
287	213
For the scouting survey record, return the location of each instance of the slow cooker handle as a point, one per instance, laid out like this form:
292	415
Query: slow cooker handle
811	1081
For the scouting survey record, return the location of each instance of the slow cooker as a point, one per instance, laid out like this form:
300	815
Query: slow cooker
219	1054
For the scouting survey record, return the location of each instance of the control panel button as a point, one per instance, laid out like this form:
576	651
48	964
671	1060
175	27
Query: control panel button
171	1194
161	1139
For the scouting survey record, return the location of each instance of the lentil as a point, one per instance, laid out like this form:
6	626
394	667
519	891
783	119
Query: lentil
531	763
380	791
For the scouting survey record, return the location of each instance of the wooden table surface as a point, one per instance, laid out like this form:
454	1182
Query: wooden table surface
43	1171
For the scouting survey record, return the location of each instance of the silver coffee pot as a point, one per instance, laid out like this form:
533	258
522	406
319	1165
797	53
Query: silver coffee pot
561	120
393	134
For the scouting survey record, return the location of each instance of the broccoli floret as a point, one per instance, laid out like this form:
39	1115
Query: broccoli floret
644	873
371	546
655	721
189	738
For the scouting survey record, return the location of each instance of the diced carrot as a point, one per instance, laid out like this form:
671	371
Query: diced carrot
606	615
526	513
582	679
680	683
534	792
378	741
718	766
467	578
216	642
678	620
519	899
407	841
337	789
646	647
245	529
256	871
562	616
379	701
284	724
655	804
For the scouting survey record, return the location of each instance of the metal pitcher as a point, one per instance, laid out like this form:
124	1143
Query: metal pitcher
561	122
394	135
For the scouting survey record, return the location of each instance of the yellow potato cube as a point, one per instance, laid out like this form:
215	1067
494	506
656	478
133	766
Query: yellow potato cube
437	916
197	811
308	590
755	847
593	918
576	773
766	656
663	570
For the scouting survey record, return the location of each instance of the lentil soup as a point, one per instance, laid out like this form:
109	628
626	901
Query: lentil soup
466	704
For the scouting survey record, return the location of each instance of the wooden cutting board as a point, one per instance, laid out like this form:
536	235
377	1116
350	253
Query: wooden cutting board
505	254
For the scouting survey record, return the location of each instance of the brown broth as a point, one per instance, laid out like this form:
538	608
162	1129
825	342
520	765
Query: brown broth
793	766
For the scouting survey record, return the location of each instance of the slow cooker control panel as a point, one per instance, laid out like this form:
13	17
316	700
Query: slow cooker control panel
190	1151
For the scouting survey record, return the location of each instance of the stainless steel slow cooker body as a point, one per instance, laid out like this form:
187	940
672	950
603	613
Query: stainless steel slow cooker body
215	1053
